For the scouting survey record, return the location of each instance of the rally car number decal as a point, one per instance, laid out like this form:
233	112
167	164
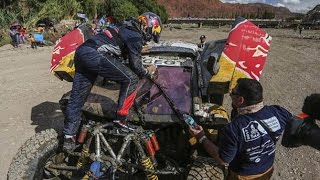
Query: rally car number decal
167	61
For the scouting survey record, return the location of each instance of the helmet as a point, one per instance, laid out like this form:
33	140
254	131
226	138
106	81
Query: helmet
202	37
151	26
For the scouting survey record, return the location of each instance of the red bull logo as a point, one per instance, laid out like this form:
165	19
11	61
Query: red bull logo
244	54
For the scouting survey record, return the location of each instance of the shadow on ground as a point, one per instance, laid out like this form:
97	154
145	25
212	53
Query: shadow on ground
47	115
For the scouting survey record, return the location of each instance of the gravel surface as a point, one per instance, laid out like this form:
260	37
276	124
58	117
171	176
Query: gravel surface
29	94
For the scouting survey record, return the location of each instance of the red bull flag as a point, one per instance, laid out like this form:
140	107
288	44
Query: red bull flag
62	57
244	54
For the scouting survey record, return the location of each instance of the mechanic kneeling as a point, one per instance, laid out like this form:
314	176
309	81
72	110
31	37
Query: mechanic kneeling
248	143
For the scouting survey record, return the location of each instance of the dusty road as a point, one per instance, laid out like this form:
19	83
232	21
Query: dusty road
29	93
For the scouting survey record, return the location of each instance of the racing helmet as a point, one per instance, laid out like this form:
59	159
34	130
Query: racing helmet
151	26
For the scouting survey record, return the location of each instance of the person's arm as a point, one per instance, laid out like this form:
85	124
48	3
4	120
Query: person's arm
213	151
134	51
134	54
209	146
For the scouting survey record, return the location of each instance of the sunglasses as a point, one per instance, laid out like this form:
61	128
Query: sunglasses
232	93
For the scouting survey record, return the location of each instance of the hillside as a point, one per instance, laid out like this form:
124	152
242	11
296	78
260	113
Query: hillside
313	16
215	8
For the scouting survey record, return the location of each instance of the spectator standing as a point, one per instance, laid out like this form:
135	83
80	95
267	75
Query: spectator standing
202	41
14	36
22	32
300	30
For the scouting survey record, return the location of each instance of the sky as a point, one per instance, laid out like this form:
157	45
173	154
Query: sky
302	6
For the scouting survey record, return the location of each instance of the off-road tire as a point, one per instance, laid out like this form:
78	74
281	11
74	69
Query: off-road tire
204	168
28	163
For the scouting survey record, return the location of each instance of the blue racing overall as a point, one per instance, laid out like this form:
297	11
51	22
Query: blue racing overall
99	55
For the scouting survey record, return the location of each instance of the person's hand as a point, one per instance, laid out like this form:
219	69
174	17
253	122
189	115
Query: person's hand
197	132
152	70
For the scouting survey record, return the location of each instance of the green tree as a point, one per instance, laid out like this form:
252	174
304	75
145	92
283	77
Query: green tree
122	9
151	6
57	9
6	18
90	8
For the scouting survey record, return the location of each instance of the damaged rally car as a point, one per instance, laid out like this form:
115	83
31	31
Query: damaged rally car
189	84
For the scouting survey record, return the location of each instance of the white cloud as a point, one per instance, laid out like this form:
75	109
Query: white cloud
291	1
243	1
293	5
279	5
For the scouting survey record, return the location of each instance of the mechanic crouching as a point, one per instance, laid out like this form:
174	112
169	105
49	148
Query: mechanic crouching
100	56
247	144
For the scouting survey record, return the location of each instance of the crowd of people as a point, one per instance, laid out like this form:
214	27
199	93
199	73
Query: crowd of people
19	35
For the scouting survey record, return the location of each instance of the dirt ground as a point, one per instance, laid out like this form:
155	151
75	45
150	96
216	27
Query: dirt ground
29	94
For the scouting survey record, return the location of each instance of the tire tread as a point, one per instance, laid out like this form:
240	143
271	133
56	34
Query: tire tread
30	152
205	168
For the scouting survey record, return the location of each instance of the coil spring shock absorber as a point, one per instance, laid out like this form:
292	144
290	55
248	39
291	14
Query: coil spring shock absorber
154	141
149	165
145	161
83	157
152	146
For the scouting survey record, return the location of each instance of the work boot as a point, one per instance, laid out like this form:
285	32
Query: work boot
69	143
125	124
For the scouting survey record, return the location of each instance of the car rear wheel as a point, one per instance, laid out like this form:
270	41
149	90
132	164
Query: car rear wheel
36	155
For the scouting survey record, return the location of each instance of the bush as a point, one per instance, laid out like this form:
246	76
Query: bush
4	37
122	9
151	6
29	12
7	17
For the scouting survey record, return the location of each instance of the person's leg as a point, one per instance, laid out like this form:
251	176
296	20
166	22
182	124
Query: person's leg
23	39
12	40
113	69
18	39
85	75
80	89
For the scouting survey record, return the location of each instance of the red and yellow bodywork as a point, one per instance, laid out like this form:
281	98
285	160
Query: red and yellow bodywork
244	55
62	65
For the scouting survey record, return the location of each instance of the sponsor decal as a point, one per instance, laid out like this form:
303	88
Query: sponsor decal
272	123
164	62
253	131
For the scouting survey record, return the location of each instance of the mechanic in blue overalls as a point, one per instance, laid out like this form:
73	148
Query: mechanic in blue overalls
100	55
